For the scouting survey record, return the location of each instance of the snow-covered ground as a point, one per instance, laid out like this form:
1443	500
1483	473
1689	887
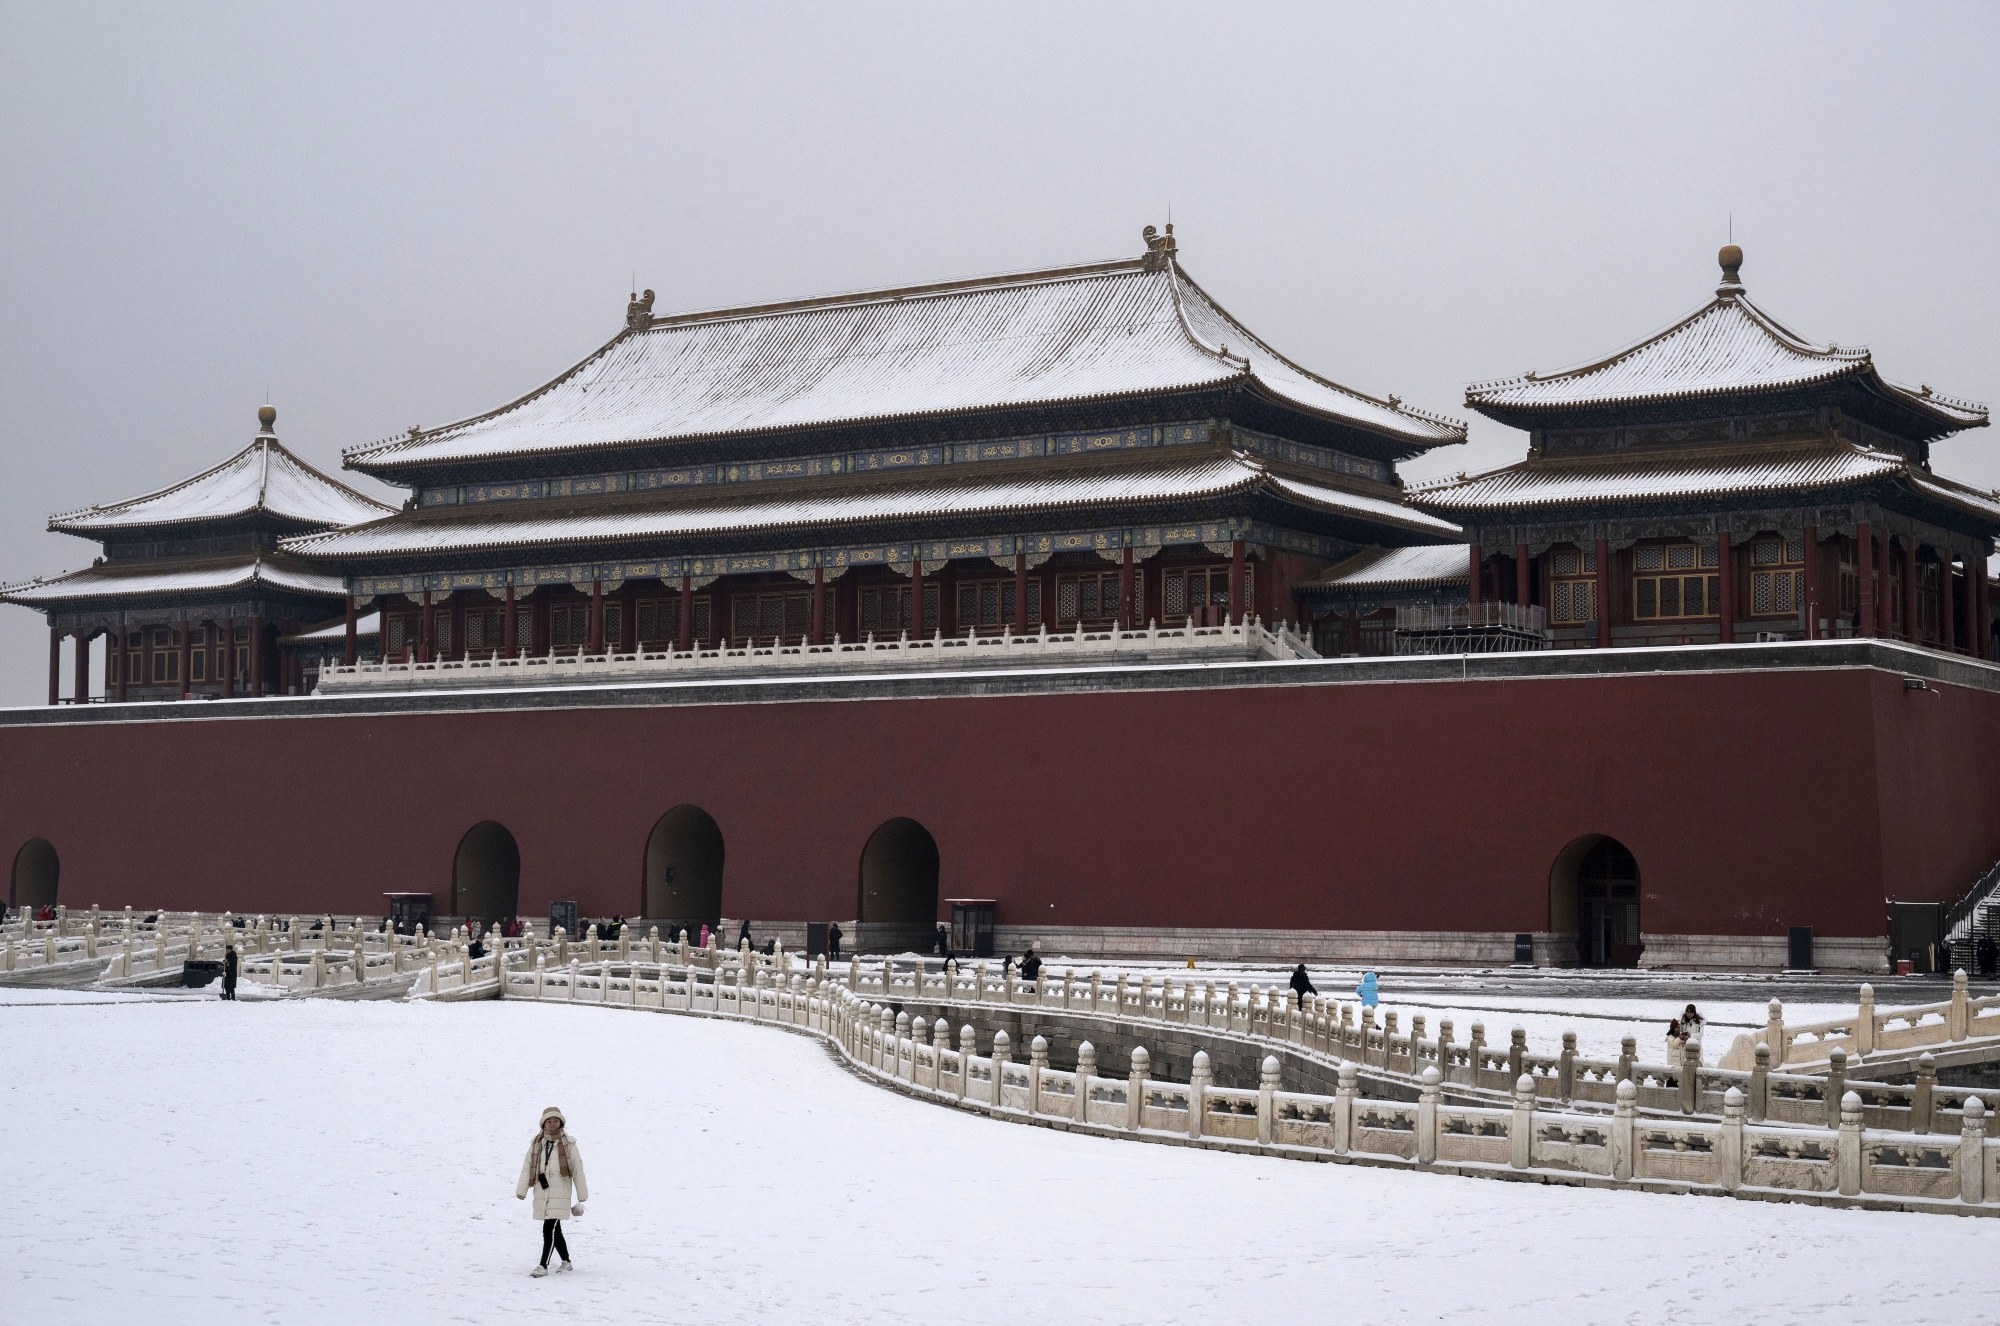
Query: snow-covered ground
188	1160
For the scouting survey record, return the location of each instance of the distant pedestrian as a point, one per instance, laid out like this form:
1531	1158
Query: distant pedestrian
833	941
553	1167
1369	990
1986	955
944	943
229	973
704	935
617	927
1031	965
1301	985
743	935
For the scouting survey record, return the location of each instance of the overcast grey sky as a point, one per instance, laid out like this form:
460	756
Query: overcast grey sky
396	215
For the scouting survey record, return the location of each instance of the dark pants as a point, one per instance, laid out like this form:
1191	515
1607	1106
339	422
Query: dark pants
229	989
552	1237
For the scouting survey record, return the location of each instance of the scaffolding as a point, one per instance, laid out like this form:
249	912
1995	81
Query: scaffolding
1472	628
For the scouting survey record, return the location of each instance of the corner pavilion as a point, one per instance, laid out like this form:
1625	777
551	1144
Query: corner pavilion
1727	479
193	589
1098	444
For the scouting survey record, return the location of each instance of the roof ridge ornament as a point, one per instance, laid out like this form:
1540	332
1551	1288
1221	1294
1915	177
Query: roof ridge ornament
639	311
1160	249
266	416
1731	258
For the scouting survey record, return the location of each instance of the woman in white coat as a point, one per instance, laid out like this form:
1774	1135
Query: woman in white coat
553	1167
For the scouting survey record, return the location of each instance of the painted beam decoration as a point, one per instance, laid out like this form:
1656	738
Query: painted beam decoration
893	459
934	552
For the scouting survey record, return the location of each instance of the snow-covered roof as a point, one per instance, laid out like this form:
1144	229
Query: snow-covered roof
366	625
1100	330
111	580
448	530
1725	347
1543	481
1387	568
263	478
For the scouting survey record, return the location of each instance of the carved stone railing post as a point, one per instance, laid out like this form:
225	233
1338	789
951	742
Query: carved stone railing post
1960	1016
1774	1033
1267	1099
1343	1108
1624	1131
1836	1085
940	1043
1388	1039
967	1043
1729	1142
1086	1068
1864	1022
1427	1116
1444	1048
1002	1055
1135	1088
1038	1060
541	973
1972	1152
1566	1069
1848	1161
1690	1075
1760	1085
1199	1076
1476	1053
1628	1055
1922	1092
1521	1131
1517	1054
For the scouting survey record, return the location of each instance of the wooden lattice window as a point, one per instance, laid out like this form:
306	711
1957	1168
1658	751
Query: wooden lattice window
1185	590
989	604
1572	586
884	610
569	626
1777	576
1671	581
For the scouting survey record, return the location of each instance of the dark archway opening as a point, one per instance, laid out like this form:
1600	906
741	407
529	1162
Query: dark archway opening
36	870
899	874
684	869
1594	895
486	874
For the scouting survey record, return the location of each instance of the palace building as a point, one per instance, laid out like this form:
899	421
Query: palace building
1097	445
1727	479
193	588
995	595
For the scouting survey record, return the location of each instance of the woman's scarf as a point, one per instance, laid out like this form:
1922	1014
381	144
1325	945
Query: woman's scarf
535	1149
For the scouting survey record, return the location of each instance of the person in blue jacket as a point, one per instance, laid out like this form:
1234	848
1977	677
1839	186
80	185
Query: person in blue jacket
1370	994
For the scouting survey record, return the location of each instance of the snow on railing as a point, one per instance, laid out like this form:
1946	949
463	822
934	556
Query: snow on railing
1730	1154
1872	1032
936	651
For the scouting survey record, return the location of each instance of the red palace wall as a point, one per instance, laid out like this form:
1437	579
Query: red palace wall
1752	799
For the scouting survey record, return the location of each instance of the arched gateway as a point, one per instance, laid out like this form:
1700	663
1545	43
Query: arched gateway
36	869
899	874
1594	895
684	869
486	874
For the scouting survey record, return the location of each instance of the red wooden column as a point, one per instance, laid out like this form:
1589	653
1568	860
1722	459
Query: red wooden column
1125	613
124	661
1864	536
1354	630
628	618
597	616
1813	551
684	640
1982	646
1911	617
257	656
227	630
1603	548
82	667
1725	580
350	640
1236	604
1523	581
510	627
55	666
916	597
1476	557
1020	593
187	660
1947	590
426	633
819	605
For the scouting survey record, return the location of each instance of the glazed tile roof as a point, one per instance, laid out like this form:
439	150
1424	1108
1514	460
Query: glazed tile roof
1388	568
366	625
113	580
525	525
262	478
1729	345
1102	330
1542	481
